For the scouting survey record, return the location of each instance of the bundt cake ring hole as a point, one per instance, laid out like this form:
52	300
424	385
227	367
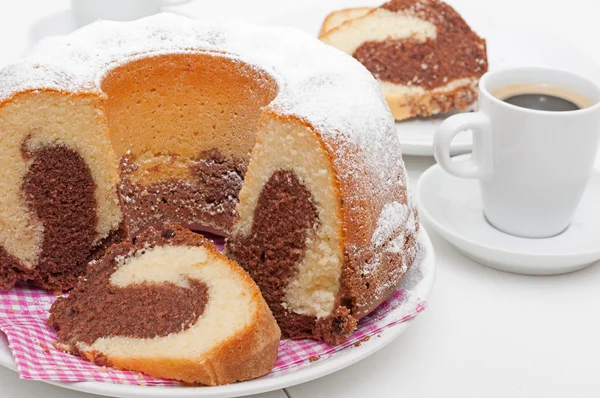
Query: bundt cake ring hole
183	127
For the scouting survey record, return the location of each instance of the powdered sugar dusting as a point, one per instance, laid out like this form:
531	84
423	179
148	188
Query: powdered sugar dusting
396	226
393	216
396	220
397	244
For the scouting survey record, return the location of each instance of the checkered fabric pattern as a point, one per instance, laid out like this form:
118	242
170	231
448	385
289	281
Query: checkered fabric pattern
24	312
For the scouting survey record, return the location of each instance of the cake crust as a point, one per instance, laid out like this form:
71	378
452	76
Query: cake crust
425	56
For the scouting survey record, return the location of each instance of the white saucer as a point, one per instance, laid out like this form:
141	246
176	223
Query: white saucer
452	207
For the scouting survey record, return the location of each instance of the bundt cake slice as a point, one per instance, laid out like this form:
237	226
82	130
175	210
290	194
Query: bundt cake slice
170	306
424	55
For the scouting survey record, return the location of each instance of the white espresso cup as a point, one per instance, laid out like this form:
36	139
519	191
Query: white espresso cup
88	11
533	165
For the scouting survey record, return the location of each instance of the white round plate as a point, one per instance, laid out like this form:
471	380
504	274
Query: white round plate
507	45
320	368
452	207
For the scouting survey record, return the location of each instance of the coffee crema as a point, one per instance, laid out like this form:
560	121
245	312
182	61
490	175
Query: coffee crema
542	97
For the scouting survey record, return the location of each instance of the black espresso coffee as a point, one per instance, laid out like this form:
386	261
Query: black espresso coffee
542	102
542	97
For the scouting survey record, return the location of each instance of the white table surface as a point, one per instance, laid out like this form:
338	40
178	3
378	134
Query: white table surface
485	333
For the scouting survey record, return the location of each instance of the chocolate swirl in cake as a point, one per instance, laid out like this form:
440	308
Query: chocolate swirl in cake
283	219
204	200
143	310
456	52
59	189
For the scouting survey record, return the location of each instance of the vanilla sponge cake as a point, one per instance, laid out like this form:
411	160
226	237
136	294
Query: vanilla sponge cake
168	119
170	306
424	55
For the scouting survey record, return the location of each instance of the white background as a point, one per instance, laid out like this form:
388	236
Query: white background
485	333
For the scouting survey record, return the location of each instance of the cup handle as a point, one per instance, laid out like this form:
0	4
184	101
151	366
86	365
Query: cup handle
480	165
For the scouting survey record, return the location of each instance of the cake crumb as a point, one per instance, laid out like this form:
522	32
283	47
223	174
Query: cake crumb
45	348
363	340
314	358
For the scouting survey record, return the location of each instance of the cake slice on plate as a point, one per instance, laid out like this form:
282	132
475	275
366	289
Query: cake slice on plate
170	306
424	55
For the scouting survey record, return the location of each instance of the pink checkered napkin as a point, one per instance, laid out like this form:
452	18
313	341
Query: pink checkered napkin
24	312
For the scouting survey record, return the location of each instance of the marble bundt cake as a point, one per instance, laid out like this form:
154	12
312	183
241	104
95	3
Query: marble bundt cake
122	126
170	306
424	55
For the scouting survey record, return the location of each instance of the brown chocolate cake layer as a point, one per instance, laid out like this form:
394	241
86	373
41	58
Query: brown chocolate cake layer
457	52
95	308
271	253
206	201
283	219
11	270
59	189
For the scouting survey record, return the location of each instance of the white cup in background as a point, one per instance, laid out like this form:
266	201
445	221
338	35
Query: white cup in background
88	11
533	165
